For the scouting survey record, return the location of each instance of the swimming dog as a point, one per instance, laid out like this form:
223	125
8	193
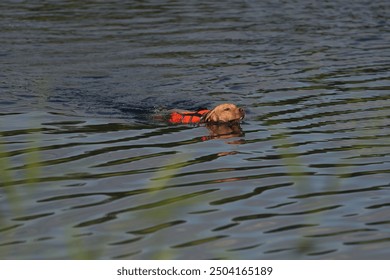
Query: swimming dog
223	113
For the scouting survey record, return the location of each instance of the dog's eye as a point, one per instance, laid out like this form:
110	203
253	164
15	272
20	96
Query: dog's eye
227	109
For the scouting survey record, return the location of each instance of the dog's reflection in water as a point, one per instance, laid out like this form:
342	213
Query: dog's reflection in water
224	131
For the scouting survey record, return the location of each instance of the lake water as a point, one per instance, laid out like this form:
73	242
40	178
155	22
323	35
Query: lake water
85	173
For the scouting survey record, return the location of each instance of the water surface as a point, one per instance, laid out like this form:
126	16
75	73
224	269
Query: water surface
86	174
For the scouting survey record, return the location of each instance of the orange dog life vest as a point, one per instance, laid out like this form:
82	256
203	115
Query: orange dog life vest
187	117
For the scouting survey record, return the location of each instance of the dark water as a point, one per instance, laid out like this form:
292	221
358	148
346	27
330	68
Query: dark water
84	174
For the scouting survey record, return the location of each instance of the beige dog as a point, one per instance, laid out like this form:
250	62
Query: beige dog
223	113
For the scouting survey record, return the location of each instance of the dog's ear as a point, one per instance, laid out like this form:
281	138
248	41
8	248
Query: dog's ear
210	117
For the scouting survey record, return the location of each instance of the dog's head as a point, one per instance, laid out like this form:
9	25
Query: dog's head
224	113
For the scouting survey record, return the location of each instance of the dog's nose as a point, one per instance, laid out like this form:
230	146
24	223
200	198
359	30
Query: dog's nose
241	110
